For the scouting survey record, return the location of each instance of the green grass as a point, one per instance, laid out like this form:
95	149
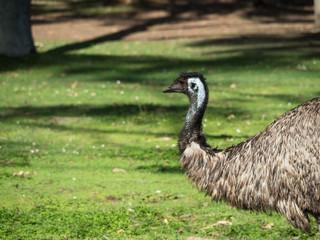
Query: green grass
72	115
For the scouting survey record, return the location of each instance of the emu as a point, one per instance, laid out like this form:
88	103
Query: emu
278	169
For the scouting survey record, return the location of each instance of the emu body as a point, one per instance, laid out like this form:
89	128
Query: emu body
277	169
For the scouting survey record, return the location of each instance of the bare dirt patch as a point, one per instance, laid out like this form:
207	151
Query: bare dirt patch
219	20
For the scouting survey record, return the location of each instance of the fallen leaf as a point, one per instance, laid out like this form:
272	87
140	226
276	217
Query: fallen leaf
233	85
67	191
120	231
14	75
180	231
20	173
268	226
199	238
7	162
74	85
118	170
225	223
195	218
24	173
231	116
111	199
135	220
166	139
216	234
222	223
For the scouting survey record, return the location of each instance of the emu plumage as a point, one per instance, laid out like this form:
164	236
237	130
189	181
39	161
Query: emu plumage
277	169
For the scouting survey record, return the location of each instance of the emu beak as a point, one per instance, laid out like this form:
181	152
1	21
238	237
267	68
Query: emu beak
174	87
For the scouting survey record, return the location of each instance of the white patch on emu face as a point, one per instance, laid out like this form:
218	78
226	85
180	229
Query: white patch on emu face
195	86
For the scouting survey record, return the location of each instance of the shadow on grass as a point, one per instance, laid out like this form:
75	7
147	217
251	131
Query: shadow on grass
158	168
256	54
277	51
13	154
115	110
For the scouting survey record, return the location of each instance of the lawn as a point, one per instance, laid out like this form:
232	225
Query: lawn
88	139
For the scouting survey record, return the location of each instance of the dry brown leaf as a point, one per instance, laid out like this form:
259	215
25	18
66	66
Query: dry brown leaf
216	234
14	75
195	218
233	85
135	220
67	191
74	85
199	238
118	170
268	226
231	116
224	223
180	231
166	139
24	173
20	173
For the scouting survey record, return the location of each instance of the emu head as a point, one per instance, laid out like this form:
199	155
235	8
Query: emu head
192	84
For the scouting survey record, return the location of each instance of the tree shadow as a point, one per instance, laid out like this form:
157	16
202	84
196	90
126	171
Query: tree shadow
293	100
13	155
310	40
113	36
174	11
251	52
117	111
136	68
61	118
160	168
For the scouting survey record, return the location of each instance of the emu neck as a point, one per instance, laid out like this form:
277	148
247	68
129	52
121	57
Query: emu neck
192	129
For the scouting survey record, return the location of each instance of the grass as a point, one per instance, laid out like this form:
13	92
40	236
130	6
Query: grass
88	140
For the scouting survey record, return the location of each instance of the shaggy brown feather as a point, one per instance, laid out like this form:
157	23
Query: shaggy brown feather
278	169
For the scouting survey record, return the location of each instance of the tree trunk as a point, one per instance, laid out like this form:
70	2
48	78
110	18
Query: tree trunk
15	28
317	15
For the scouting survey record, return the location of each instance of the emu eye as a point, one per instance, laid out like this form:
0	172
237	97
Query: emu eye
194	86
